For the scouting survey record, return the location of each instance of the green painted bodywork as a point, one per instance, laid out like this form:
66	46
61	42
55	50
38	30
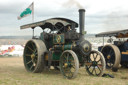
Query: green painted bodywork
68	47
56	56
58	39
58	46
61	46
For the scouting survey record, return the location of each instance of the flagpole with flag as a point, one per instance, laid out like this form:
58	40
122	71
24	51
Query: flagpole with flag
28	11
33	12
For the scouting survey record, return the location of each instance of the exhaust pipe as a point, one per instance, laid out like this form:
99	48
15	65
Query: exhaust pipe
81	21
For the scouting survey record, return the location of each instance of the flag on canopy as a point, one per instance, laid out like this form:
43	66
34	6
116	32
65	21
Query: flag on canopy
26	12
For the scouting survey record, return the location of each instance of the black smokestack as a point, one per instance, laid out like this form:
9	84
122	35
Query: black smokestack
81	20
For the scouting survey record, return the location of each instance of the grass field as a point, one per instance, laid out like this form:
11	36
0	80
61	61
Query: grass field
12	72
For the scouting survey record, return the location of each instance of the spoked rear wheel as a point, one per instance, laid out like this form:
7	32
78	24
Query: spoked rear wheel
95	64
112	56
33	56
69	64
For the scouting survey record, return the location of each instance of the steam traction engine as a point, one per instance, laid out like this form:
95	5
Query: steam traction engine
62	47
116	51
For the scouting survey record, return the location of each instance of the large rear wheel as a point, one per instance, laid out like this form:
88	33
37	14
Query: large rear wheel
69	64
112	56
34	56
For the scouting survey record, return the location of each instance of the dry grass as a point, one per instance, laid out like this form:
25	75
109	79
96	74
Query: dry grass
12	72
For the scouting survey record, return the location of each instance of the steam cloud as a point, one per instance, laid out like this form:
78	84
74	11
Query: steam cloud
70	3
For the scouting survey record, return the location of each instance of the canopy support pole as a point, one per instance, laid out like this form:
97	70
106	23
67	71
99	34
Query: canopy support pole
32	33
103	41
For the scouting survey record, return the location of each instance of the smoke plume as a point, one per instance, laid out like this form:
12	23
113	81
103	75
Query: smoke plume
71	3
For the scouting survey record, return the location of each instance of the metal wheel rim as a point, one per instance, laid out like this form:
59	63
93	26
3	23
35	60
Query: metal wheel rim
30	56
68	65
108	51
95	64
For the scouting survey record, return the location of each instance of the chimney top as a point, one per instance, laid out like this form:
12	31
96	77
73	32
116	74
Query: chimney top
82	10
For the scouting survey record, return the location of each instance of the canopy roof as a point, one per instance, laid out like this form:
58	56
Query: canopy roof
51	23
117	34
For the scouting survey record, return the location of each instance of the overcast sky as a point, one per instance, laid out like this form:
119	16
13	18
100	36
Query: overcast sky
101	15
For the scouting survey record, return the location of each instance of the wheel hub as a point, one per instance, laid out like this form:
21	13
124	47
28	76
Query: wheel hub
65	65
94	63
32	56
108	57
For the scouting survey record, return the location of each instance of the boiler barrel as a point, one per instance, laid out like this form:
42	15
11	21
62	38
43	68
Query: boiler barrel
63	47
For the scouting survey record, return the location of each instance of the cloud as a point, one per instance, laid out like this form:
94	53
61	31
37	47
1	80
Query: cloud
100	15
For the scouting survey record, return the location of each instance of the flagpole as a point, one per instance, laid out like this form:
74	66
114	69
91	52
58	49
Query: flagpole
33	12
33	17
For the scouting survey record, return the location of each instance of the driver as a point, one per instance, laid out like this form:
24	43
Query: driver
68	28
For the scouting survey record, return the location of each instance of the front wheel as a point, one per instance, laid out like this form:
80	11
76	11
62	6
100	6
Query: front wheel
95	63
69	64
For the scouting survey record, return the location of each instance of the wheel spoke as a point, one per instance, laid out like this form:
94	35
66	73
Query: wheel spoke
27	54
104	53
35	51
95	72
89	66
70	73
67	57
99	68
110	51
93	69
29	62
99	60
112	54
31	67
33	45
95	57
67	54
36	54
35	59
73	67
30	48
